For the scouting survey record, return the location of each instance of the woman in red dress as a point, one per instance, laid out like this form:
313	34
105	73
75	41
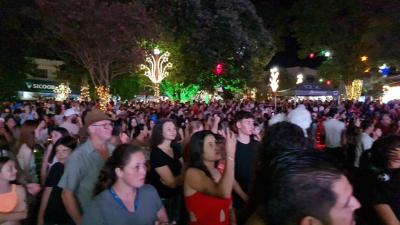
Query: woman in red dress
207	189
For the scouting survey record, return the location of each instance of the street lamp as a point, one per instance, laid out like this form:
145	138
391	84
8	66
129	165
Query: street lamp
274	82
157	69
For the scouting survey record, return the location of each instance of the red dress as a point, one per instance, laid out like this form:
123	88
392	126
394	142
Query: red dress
207	209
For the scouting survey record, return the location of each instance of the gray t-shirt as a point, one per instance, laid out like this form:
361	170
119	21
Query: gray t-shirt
105	210
81	172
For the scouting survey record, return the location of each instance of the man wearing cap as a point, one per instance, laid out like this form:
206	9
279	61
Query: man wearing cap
71	122
83	166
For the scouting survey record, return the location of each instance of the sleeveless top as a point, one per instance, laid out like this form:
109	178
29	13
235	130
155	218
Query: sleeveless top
207	209
9	200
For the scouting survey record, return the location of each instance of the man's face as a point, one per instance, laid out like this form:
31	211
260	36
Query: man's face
102	129
342	213
246	126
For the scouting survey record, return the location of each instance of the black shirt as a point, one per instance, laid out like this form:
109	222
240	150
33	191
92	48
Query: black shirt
387	190
55	212
245	160
158	158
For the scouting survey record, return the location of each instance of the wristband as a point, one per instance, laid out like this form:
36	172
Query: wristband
230	158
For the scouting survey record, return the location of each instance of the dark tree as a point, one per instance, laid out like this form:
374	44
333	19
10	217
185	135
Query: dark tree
104	37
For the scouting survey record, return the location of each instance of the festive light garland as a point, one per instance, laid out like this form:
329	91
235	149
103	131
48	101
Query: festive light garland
62	92
85	93
103	93
356	89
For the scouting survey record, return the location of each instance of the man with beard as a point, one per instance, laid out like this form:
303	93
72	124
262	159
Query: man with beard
71	122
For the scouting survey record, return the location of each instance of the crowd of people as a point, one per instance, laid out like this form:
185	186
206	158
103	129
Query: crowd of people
225	162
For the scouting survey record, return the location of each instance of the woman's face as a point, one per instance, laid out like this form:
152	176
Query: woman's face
9	171
169	131
11	123
133	122
62	153
134	172
211	150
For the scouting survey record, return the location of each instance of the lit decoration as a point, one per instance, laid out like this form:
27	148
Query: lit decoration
300	78
355	90
103	93
327	53
312	55
384	70
390	93
328	82
364	58
367	70
62	92
219	69
157	69
85	93
321	80
274	82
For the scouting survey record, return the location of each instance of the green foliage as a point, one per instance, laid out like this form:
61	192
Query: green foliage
128	86
178	91
204	33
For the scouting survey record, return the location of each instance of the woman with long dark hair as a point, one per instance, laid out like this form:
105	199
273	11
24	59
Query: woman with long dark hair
207	189
122	197
166	167
52	210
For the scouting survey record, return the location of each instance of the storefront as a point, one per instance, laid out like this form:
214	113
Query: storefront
35	89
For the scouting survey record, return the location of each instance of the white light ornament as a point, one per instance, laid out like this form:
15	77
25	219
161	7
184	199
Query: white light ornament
156	70
62	92
300	78
274	81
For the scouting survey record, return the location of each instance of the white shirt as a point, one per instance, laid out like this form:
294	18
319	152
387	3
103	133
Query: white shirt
364	142
333	133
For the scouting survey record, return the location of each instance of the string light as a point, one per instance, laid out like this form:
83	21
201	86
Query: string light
355	89
62	92
85	93
103	93
157	69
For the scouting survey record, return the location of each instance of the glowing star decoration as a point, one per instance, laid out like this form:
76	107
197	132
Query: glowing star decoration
300	78
327	54
390	93
156	70
62	92
384	70
274	82
364	58
103	93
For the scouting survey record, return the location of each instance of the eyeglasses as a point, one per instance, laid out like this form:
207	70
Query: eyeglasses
104	125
